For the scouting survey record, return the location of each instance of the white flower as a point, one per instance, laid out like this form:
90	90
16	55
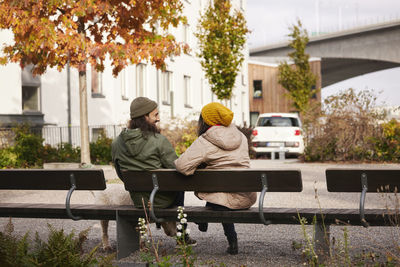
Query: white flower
144	235
183	221
185	215
179	226
188	231
178	234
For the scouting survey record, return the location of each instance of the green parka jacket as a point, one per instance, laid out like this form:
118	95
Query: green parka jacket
136	151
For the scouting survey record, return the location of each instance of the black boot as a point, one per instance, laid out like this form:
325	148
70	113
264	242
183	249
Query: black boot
233	248
202	227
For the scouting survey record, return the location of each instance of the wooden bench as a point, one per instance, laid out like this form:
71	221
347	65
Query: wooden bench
40	179
234	180
357	181
126	216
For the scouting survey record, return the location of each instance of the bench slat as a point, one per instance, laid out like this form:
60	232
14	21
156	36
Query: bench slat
40	179
195	214
240	180
349	180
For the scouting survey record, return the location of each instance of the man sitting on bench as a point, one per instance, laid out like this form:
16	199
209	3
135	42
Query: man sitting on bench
142	147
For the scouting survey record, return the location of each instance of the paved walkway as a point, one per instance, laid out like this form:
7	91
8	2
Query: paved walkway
259	245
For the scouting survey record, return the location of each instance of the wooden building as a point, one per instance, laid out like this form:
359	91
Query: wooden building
265	93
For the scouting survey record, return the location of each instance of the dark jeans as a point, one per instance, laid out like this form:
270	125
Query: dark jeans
229	228
179	200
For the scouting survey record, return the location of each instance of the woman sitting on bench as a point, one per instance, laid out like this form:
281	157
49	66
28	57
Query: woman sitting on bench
220	146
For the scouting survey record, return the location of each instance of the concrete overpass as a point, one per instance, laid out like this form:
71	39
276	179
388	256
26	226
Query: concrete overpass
348	53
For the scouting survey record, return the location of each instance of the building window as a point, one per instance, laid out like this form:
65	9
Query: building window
97	83
97	133
30	90
30	98
124	85
186	33
242	4
314	95
253	118
243	79
187	92
140	79
257	89
166	84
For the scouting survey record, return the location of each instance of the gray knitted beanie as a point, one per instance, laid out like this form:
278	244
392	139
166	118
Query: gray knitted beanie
141	106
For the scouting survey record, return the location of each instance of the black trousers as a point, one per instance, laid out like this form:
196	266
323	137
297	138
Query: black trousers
179	200
229	228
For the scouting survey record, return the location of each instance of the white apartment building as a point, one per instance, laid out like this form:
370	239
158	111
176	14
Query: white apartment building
181	90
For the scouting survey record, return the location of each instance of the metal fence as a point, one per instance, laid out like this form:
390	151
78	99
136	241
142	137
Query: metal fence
54	135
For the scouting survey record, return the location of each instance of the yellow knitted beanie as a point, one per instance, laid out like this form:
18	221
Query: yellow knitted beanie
216	113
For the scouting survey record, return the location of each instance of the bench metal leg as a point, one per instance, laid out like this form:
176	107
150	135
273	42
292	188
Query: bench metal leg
127	237
322	240
273	155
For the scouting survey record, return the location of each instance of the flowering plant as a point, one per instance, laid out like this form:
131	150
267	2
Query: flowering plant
182	236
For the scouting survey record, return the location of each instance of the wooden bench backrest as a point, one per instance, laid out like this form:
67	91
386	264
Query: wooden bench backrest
349	180
40	179
239	180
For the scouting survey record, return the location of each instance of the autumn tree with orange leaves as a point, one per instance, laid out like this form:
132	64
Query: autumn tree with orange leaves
51	33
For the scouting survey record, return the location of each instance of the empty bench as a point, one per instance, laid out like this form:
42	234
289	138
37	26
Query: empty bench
361	181
40	179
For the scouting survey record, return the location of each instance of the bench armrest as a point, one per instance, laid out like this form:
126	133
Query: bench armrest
152	195
364	187
68	199
261	199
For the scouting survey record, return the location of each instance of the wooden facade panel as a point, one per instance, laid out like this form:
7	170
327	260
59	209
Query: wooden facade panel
274	97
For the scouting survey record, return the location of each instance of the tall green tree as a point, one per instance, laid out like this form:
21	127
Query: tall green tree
53	33
298	79
222	36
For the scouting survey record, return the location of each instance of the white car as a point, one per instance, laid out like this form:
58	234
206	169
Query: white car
278	131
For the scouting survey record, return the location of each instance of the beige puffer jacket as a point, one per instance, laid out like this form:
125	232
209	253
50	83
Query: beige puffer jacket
219	148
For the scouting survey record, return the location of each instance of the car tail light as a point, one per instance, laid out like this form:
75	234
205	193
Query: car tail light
255	132
297	132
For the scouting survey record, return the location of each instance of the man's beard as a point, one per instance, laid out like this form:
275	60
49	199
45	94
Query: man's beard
155	125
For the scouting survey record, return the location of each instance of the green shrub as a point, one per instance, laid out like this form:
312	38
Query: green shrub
346	130
314	151
181	134
100	151
64	152
28	147
60	250
8	158
387	146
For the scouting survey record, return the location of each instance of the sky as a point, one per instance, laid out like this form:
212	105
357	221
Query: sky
269	22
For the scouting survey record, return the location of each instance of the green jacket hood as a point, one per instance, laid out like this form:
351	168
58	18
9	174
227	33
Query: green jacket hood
134	140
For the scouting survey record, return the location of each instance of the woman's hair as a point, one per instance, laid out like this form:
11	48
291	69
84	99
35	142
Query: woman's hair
202	127
142	124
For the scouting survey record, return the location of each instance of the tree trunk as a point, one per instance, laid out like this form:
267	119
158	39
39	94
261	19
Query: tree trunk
83	115
83	118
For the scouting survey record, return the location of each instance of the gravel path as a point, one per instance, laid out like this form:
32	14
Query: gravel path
258	245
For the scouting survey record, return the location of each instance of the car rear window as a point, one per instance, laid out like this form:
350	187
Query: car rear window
278	122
